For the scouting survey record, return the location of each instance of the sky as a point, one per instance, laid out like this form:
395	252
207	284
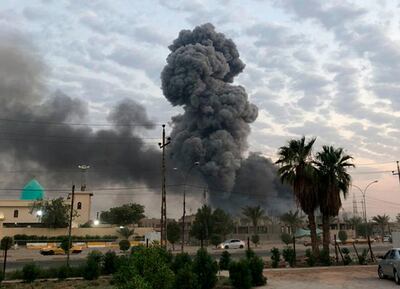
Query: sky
327	69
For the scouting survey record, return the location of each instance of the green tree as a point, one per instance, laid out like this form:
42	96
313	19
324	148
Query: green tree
254	214
294	221
333	180
297	170
5	245
206	269
354	222
202	227
126	214
173	233
216	239
65	244
382	221
55	212
126	232
342	236
124	245
222	223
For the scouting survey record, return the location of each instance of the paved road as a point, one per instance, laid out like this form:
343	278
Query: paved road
22	256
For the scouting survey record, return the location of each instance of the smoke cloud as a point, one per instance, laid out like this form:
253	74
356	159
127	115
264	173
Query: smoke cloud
215	124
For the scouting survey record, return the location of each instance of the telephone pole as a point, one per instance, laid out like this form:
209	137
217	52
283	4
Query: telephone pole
163	221
70	223
398	171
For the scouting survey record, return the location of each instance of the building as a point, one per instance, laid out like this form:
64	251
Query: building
17	212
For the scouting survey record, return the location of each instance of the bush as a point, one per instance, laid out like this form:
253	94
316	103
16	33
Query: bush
206	269
256	266
124	245
1	276
216	239
92	268
240	274
362	259
325	258
286	238
180	261
110	263
63	272
275	257
186	278
225	260
311	260
30	272
289	255
346	258
250	253
255	239
66	245
342	236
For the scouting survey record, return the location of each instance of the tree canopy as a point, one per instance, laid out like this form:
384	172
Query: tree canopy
126	214
173	233
55	213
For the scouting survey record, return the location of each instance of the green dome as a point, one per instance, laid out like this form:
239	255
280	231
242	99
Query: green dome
32	191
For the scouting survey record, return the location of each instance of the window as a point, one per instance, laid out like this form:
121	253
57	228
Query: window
15	213
79	206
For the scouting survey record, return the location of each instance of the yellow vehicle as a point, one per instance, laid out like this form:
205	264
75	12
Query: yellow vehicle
59	251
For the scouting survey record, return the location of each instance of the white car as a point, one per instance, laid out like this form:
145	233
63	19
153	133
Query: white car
232	244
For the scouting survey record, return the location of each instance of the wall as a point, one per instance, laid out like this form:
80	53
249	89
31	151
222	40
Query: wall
64	231
7	208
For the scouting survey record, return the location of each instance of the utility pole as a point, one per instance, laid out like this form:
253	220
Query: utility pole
163	221
70	223
398	171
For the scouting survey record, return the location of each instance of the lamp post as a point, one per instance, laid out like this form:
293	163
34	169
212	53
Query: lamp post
184	203
363	192
83	169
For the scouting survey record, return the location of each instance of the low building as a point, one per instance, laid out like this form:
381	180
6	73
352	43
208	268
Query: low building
17	212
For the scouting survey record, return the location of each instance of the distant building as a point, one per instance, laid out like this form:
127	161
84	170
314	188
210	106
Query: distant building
16	213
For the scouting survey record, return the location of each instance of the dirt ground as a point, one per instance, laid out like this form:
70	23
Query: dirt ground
351	277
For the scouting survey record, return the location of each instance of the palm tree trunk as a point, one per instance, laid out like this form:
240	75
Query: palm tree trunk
313	234
326	232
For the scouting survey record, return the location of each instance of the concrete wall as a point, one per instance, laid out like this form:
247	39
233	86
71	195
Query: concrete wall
7	208
64	231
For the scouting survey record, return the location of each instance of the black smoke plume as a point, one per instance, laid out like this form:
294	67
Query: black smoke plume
32	138
215	124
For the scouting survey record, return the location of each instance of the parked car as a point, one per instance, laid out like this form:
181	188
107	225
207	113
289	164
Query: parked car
389	266
387	238
232	244
59	251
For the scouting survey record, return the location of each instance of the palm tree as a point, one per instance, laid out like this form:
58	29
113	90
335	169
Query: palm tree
333	179
297	170
254	214
355	222
381	221
126	232
294	221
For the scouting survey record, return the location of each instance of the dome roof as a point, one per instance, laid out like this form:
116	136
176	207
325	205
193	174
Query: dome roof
32	191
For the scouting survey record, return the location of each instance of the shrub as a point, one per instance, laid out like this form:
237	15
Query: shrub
240	274
186	278
286	238
93	265
325	258
250	253
66	245
346	258
225	260
275	257
63	272
124	245
110	262
206	269
30	272
362	259
256	266
216	239
311	260
48	273
180	261
255	239
342	236
1	276
158	274
289	255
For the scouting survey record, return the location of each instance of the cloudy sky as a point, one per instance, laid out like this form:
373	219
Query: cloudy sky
328	69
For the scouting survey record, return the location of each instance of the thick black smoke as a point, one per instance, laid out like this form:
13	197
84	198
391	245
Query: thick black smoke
31	137
215	124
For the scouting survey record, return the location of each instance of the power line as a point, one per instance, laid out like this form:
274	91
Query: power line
77	124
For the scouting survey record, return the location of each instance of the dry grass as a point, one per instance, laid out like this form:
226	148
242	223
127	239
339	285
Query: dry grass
67	284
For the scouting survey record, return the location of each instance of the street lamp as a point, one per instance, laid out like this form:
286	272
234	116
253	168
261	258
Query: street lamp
83	168
363	192
184	203
96	222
